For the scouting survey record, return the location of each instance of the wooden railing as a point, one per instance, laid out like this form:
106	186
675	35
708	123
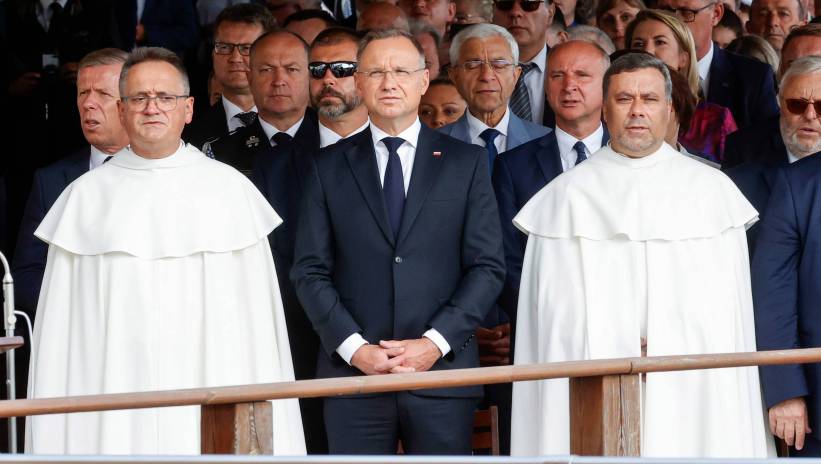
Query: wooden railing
604	397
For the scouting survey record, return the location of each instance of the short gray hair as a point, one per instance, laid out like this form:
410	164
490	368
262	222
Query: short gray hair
147	54
593	35
604	57
389	34
482	31
634	62
417	27
801	67
103	57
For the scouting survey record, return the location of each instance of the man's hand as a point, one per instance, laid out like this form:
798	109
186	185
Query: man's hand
374	359
494	345
420	354
789	421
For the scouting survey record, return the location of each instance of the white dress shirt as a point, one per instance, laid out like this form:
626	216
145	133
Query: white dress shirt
566	142
271	131
535	85
704	70
97	158
140	10
329	137
792	158
231	112
407	153
476	127
44	13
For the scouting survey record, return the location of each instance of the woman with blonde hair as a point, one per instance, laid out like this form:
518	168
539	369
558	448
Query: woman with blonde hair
669	39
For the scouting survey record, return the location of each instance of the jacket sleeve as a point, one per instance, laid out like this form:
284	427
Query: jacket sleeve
30	255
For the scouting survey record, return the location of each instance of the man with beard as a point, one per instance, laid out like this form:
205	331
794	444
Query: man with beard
640	249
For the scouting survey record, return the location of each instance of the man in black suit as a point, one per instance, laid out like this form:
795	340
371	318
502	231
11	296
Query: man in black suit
278	78
742	84
235	29
398	260
171	24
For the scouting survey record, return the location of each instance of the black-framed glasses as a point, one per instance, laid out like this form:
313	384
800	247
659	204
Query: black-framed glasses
496	65
526	5
226	48
164	102
686	14
799	106
339	69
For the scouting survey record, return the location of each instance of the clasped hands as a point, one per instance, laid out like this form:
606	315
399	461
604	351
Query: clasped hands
396	356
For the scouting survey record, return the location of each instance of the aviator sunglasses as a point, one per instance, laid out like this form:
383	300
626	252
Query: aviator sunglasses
526	5
799	106
338	69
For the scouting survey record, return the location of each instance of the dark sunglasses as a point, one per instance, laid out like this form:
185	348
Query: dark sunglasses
526	5
338	69
799	106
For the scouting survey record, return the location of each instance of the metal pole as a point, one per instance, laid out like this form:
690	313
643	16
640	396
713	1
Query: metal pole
9	320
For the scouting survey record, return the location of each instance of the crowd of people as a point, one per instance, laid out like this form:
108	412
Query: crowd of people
205	193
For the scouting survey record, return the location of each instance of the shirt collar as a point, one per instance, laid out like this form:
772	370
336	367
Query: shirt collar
704	64
540	60
47	3
97	158
232	110
328	137
271	131
791	157
566	141
410	135
476	126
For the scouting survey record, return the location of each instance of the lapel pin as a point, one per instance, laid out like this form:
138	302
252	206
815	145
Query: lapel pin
437	154
252	141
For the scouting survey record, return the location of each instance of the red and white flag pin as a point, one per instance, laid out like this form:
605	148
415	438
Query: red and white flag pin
437	154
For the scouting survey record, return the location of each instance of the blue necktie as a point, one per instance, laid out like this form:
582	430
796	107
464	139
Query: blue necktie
580	152
489	136
393	187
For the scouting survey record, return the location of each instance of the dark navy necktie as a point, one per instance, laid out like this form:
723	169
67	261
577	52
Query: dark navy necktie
281	138
247	118
393	187
489	136
580	152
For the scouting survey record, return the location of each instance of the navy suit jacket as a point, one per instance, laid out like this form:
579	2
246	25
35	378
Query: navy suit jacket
444	270
517	176
519	131
29	261
744	85
168	23
786	287
759	142
209	126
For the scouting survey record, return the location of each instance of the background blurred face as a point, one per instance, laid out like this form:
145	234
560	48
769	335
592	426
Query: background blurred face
801	132
527	27
231	71
279	76
467	12
308	29
574	82
568	7
637	112
334	96
615	20
150	130
656	38
774	19
391	97
97	96
486	90
441	105
702	25
799	48
431	54
722	36
437	13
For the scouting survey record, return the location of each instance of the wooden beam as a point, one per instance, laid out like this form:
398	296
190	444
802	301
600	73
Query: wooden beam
605	415
242	428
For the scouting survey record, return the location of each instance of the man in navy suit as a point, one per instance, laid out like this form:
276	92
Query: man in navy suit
786	290
575	70
398	260
171	24
235	29
744	85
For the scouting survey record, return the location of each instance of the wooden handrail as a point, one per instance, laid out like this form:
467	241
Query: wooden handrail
398	382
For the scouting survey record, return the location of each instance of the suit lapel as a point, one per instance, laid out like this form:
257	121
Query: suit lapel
79	167
548	156
362	160
461	130
425	171
718	92
515	132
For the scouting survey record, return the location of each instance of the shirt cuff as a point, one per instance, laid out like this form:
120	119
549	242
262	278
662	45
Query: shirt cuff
347	349
438	340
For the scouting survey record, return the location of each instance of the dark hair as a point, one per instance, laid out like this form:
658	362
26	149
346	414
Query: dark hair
585	12
335	35
248	13
605	5
146	54
633	62
684	102
276	32
809	30
731	21
441	81
304	15
389	34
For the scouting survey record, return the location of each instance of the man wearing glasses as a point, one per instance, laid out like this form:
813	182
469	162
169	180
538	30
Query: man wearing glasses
527	21
156	258
742	84
398	260
235	29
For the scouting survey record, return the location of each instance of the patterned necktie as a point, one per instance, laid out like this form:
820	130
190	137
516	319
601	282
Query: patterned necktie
520	100
247	118
580	152
281	138
489	136
393	187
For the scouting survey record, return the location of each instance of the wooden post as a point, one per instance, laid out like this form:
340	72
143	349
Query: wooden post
242	428
605	415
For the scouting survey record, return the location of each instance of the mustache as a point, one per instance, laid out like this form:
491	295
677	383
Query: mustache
635	122
330	92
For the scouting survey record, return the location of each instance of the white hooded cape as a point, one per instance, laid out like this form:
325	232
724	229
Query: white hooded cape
617	245
159	276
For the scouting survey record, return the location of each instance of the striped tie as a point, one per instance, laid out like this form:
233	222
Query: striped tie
520	100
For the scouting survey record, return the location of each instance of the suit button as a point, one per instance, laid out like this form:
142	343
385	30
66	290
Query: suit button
397	260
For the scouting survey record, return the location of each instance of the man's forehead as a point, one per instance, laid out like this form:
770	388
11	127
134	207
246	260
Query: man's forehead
799	47
235	28
153	76
373	53
772	4
692	4
640	80
803	85
573	57
342	51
